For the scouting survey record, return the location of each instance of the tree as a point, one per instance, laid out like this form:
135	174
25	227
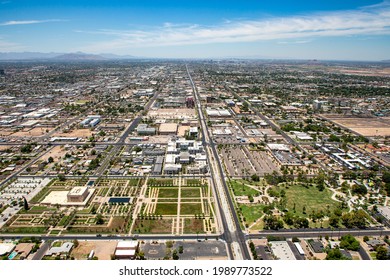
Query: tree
181	249
255	178
366	238
335	254
175	256
271	222
25	204
349	242
99	219
50	160
61	177
381	253
75	243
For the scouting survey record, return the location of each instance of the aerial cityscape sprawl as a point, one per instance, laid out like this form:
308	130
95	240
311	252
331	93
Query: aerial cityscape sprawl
202	159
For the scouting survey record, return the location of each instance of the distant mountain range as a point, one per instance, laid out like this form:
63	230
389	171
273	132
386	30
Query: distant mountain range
52	56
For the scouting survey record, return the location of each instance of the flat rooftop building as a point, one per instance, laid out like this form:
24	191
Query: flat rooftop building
78	194
168	128
282	250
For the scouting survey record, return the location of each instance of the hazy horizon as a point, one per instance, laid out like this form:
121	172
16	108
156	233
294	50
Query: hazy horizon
351	30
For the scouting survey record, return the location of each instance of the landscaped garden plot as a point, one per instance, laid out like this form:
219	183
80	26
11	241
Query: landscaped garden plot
153	226
190	192
168	193
193	226
160	182
166	209
183	203
190	208
97	216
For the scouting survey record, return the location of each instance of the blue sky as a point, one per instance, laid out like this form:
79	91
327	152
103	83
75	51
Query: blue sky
343	29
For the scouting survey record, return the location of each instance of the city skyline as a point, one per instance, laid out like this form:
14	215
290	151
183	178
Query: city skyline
352	30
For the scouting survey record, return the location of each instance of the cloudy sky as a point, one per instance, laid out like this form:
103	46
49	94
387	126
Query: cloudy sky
348	29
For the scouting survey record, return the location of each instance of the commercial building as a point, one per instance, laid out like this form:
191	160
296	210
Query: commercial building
126	250
78	194
143	129
168	129
282	250
92	121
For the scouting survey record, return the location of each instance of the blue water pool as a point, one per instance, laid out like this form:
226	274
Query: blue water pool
12	255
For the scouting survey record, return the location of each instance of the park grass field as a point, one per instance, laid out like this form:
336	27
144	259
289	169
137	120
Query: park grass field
251	212
308	197
240	189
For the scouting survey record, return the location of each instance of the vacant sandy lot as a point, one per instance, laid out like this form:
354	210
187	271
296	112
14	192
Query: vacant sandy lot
366	126
103	249
37	131
5	132
56	153
84	132
366	72
182	130
4	147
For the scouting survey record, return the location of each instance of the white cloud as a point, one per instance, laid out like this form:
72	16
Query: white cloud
6	46
371	20
24	22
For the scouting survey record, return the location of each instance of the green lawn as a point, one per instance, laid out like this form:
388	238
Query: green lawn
32	230
168	193
190	208
190	192
241	189
252	212
310	198
166	209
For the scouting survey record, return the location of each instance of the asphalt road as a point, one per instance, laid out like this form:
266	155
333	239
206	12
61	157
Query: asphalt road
42	250
237	235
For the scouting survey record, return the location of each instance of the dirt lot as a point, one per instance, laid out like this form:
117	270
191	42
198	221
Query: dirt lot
366	72
75	133
5	132
56	153
182	130
366	126
4	147
37	131
103	249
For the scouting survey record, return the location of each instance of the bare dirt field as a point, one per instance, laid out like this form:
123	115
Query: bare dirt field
182	130
365	126
56	153
37	131
6	132
366	72
4	147
102	249
75	133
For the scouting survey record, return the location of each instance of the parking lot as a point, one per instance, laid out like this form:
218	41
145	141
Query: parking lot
240	161
192	250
